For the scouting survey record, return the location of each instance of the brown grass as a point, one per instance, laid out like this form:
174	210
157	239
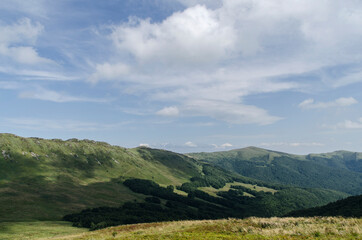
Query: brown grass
251	228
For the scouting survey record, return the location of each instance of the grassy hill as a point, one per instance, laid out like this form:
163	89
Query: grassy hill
349	207
340	170
251	228
47	179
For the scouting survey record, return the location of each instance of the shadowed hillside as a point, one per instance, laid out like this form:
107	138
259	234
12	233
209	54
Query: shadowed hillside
349	207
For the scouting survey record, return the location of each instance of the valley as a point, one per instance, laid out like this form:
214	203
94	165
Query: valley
96	185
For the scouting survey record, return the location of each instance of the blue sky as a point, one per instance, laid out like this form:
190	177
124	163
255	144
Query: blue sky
184	75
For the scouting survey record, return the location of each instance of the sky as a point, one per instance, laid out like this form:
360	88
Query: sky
184	75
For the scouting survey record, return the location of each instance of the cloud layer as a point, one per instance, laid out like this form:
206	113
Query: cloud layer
208	58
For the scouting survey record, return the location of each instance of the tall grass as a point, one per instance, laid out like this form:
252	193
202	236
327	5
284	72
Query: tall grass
251	228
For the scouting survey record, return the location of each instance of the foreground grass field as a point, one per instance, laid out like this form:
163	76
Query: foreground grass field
37	230
251	228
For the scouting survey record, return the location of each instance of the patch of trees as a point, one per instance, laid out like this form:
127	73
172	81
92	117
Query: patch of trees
162	204
177	207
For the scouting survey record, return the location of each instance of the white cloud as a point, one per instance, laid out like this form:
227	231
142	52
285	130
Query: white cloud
108	71
208	3
225	145
340	102
222	146
144	145
24	55
348	124
53	96
190	144
194	36
208	58
229	112
16	38
168	112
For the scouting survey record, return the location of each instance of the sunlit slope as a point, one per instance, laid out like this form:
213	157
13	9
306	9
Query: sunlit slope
48	179
45	179
251	228
340	170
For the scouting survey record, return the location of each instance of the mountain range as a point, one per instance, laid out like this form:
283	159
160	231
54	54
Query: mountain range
340	170
85	182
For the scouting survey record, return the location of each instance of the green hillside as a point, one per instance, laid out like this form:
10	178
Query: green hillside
48	179
340	170
349	207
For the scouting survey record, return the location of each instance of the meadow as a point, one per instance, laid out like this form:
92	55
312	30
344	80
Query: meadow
250	228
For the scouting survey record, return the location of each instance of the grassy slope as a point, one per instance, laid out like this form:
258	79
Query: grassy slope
341	170
46	179
251	228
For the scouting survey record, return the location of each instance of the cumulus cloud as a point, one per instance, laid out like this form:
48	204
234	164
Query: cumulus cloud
340	102
208	58
168	112
194	36
17	42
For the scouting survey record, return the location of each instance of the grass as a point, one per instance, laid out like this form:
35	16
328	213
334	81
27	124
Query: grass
37	230
47	179
251	228
213	191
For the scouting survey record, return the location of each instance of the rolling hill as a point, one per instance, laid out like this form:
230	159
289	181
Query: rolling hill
349	207
340	170
47	179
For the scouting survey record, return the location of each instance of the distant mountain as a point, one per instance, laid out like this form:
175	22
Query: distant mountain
349	207
340	170
47	179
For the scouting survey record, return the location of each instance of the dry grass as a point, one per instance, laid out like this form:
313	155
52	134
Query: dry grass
251	228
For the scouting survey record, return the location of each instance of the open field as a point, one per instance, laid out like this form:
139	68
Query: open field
213	191
37	230
251	228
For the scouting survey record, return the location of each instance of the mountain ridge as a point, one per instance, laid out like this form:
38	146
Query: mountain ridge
60	177
339	170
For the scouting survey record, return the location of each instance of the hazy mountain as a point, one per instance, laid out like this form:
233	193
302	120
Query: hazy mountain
340	170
